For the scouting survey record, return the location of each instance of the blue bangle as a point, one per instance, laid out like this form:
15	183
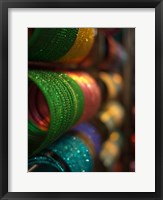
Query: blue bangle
74	153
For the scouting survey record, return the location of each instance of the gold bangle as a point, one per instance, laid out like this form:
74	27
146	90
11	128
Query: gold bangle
81	47
107	79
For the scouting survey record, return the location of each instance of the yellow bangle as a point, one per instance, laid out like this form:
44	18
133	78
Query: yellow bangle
112	93
81	47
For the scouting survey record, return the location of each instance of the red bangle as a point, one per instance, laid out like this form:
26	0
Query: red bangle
91	91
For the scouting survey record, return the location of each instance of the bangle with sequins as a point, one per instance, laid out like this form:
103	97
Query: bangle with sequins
49	44
69	153
64	101
91	91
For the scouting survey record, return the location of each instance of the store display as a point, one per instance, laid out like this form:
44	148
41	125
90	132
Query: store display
81	100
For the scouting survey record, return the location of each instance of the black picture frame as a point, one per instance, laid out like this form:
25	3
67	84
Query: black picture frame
4	5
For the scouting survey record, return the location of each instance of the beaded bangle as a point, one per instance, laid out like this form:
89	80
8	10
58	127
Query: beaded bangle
81	47
65	101
49	44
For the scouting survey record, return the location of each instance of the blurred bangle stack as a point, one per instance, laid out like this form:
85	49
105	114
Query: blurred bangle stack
81	100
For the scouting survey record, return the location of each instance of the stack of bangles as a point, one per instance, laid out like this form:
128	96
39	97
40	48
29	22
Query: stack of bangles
57	101
74	152
68	45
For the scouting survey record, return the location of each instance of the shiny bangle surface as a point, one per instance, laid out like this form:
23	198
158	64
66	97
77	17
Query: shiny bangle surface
74	152
65	102
91	91
81	47
49	44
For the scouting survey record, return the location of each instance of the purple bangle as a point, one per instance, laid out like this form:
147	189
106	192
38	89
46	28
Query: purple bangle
92	133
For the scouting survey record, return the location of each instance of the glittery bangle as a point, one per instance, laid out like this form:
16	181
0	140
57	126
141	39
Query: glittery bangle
81	47
74	153
49	44
91	91
65	102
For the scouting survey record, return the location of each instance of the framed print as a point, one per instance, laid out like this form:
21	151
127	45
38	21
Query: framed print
81	99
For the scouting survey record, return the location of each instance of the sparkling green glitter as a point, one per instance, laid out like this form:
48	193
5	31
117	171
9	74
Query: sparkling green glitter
65	100
49	44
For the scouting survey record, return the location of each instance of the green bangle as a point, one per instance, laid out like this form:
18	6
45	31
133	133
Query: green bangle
49	44
65	100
